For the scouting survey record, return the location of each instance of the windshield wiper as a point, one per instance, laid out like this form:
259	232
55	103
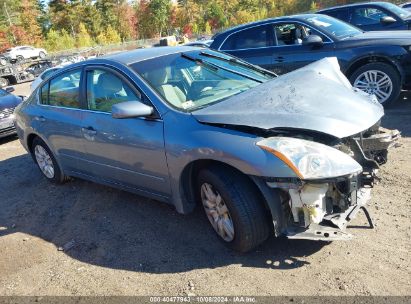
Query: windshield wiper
216	67
240	62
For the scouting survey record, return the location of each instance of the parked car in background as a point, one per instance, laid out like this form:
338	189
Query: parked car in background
294	155
375	62
8	102
43	76
200	43
372	16
406	6
3	60
39	67
20	53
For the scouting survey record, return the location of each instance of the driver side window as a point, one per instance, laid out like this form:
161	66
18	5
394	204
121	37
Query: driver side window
105	89
294	33
367	16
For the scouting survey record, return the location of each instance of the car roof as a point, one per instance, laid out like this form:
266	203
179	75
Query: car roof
260	22
351	5
129	57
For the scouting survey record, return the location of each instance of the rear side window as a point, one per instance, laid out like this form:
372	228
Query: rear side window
342	14
252	38
63	90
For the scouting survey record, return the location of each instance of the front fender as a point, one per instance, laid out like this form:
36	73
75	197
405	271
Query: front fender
188	141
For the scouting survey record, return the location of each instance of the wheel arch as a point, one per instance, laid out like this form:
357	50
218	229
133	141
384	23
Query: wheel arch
30	139
356	64
270	199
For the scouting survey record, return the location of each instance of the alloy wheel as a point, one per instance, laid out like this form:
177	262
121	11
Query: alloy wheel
375	82
217	212
44	161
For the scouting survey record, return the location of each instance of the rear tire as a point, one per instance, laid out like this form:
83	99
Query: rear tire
3	61
380	79
46	162
42	55
19	58
245	210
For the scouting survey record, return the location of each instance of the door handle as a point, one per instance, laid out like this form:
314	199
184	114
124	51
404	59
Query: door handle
89	130
40	118
279	59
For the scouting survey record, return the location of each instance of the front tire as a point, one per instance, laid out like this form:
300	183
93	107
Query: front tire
233	208
380	79
42	55
46	162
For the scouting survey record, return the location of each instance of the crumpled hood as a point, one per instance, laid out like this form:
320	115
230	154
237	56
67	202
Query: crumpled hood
317	97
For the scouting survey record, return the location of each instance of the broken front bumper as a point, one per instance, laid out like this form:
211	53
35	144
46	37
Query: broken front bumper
335	225
321	210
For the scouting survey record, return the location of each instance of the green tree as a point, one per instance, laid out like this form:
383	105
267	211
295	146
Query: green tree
112	36
66	40
53	40
83	37
160	10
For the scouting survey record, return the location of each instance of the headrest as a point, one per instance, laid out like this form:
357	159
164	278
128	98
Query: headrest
110	83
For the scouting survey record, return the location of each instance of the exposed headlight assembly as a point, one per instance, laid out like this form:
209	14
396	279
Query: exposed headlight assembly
310	160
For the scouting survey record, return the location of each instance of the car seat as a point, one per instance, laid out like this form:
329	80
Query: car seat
173	94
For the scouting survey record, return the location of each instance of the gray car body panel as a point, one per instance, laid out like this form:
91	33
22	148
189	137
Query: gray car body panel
293	101
180	139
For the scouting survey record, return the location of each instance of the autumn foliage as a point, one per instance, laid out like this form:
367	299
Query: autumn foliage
64	24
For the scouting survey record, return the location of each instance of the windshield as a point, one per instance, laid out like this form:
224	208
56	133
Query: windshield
396	9
334	27
193	80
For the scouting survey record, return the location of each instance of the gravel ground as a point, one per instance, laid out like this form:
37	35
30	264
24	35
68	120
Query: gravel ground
122	244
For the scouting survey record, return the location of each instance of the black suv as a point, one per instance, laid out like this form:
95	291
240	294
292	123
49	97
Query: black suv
375	62
372	16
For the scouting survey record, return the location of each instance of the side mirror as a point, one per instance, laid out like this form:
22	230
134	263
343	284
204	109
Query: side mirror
129	109
387	20
313	40
9	89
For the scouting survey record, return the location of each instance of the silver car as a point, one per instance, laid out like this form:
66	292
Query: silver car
294	155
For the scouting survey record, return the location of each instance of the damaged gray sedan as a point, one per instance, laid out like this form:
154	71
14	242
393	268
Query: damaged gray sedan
294	155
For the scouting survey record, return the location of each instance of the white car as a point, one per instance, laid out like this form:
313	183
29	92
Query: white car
19	53
43	76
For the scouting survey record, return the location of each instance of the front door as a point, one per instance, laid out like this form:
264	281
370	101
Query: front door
368	18
130	151
290	51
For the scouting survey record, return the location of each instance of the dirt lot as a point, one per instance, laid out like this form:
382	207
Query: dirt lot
127	245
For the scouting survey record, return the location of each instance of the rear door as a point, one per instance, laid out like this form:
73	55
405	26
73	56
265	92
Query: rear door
254	45
59	118
130	151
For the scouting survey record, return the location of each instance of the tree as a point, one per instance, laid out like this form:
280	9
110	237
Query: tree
52	40
112	36
28	20
160	10
66	40
83	37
